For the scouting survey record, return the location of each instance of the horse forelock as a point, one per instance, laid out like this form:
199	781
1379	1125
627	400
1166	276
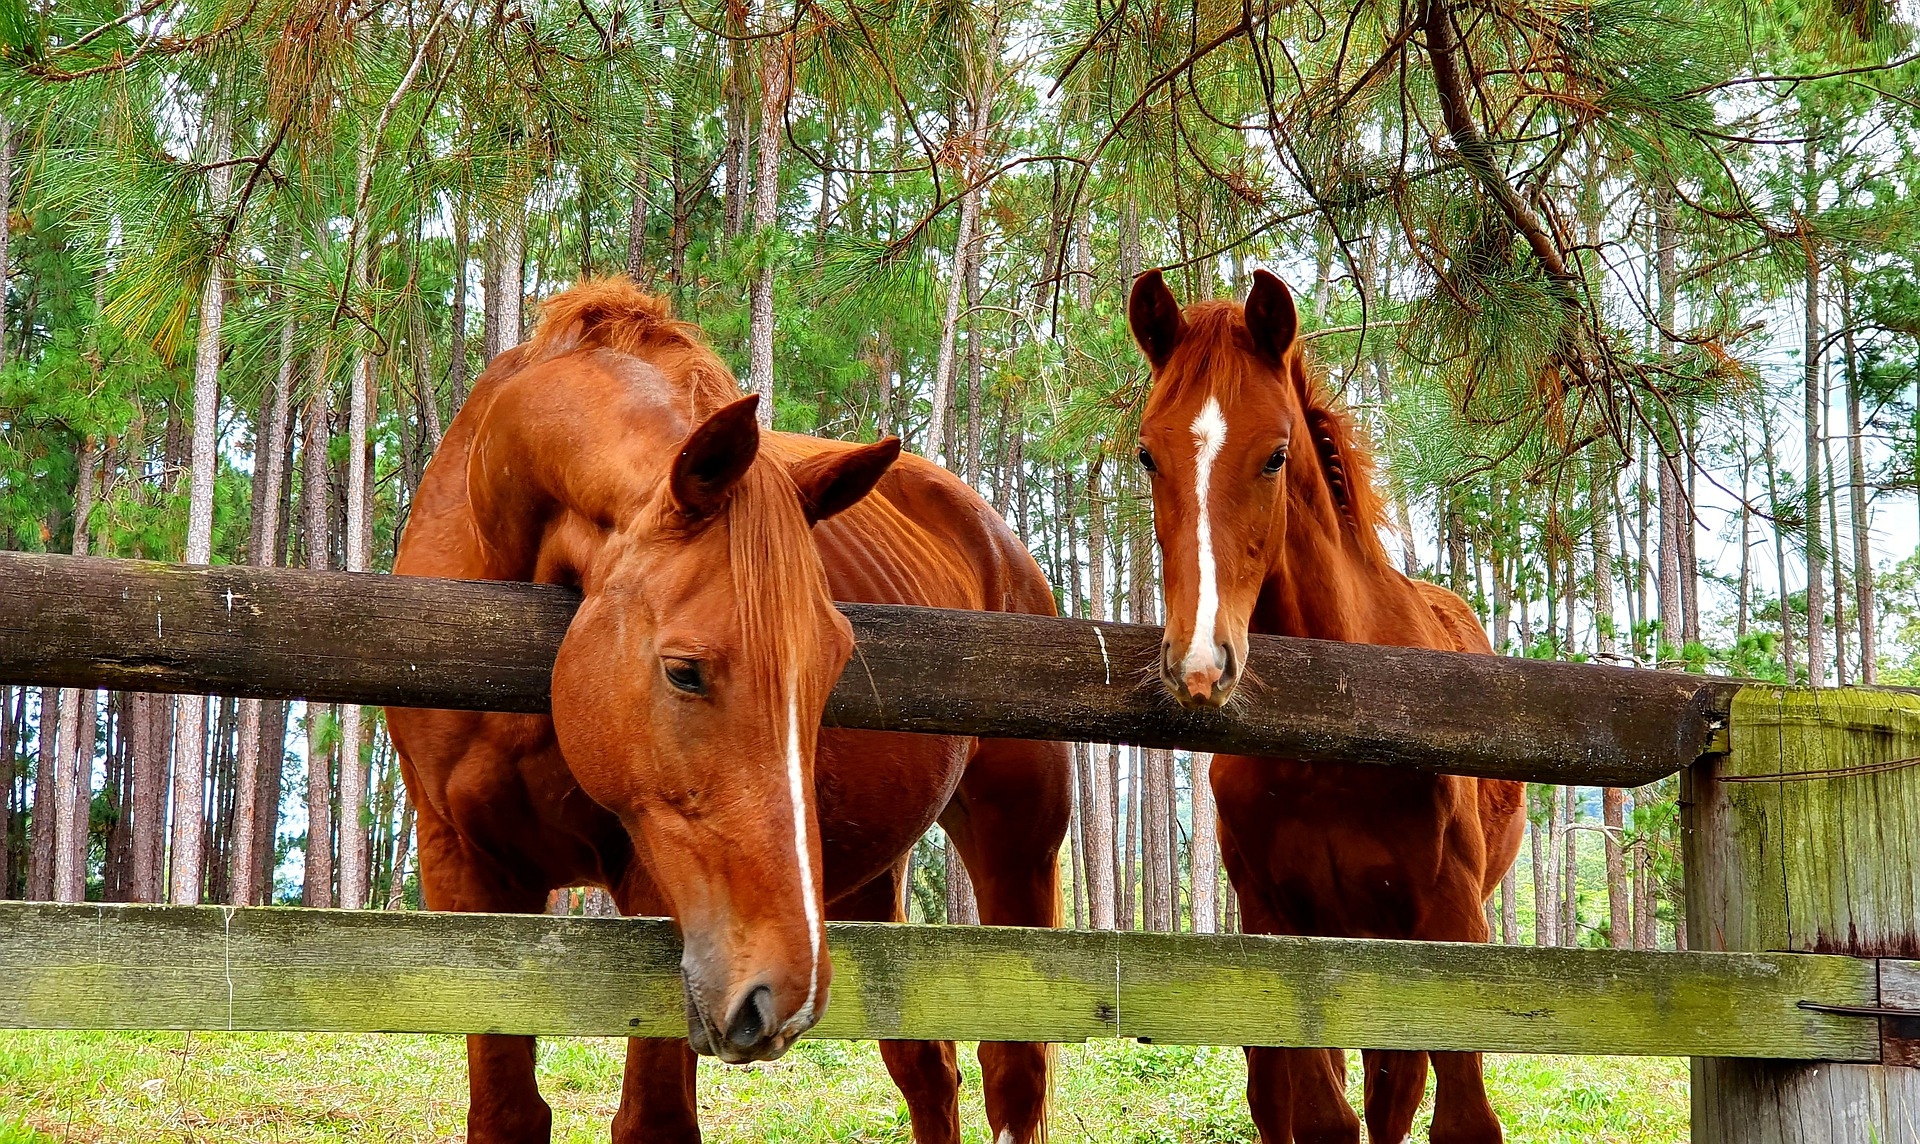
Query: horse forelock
776	573
1216	356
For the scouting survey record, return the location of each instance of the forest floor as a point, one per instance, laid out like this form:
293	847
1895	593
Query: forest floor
269	1088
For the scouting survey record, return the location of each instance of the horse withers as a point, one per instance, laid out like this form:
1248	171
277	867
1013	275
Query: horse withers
1267	522
683	766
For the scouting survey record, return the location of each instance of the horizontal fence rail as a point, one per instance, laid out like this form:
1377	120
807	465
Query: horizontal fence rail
486	645
209	967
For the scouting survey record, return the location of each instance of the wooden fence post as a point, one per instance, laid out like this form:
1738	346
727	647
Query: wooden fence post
1826	861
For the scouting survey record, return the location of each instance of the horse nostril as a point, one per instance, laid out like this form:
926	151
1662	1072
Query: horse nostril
752	1020
1223	657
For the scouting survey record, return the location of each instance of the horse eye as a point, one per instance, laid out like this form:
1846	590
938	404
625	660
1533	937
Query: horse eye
685	675
1278	459
1146	460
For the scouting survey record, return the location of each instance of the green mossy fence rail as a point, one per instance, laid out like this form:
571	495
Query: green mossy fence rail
1800	813
208	967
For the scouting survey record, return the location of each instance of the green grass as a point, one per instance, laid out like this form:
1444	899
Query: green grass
269	1088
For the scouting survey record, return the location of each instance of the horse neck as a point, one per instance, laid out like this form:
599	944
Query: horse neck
1323	583
550	485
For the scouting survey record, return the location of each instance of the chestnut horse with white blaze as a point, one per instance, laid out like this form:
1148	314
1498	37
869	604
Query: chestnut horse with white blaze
1266	517
683	766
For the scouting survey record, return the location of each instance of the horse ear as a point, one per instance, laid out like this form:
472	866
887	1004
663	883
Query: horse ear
715	456
1271	317
832	482
1155	317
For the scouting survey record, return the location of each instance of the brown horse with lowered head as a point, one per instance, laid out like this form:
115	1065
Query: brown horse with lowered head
1266	516
683	766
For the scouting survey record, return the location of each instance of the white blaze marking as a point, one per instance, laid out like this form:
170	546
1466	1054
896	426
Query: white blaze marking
1209	433
797	788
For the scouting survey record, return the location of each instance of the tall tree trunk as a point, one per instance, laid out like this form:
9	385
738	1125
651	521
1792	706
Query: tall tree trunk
6	229
403	837
1076	856
1779	544
1570	873
1689	533
41	856
980	69
1743	594
506	279
962	908
273	754
1613	817
1840	668
1556	853
150	736
1643	536
12	729
1863	604
1129	893
974	258
269	473
1510	907
1600	474
353	775
1204	849
317	881
735	154
637	222
1672	523
73	784
457	318
949	331
776	88
1814	491
1543	927
1156	822
189	753
1100	819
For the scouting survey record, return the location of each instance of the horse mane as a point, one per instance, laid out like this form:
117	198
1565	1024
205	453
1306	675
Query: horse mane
769	544
614	313
1220	354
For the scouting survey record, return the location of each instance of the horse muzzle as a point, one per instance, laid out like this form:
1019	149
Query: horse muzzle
1199	686
743	1026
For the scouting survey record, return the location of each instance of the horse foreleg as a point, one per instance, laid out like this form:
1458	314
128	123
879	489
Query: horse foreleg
1395	1082
925	1071
504	1105
659	1100
1293	1094
1007	820
1462	1114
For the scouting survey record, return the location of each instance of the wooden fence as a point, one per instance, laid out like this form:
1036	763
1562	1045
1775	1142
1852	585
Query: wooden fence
1800	820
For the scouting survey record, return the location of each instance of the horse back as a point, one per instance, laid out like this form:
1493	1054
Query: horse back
924	537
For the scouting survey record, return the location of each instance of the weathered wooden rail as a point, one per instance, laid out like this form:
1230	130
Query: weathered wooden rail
1800	811
207	967
412	642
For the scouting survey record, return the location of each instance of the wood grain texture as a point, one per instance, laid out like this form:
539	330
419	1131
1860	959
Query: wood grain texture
1824	862
1900	1036
281	633
146	967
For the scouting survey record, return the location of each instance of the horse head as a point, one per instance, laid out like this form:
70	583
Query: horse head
687	698
1217	436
